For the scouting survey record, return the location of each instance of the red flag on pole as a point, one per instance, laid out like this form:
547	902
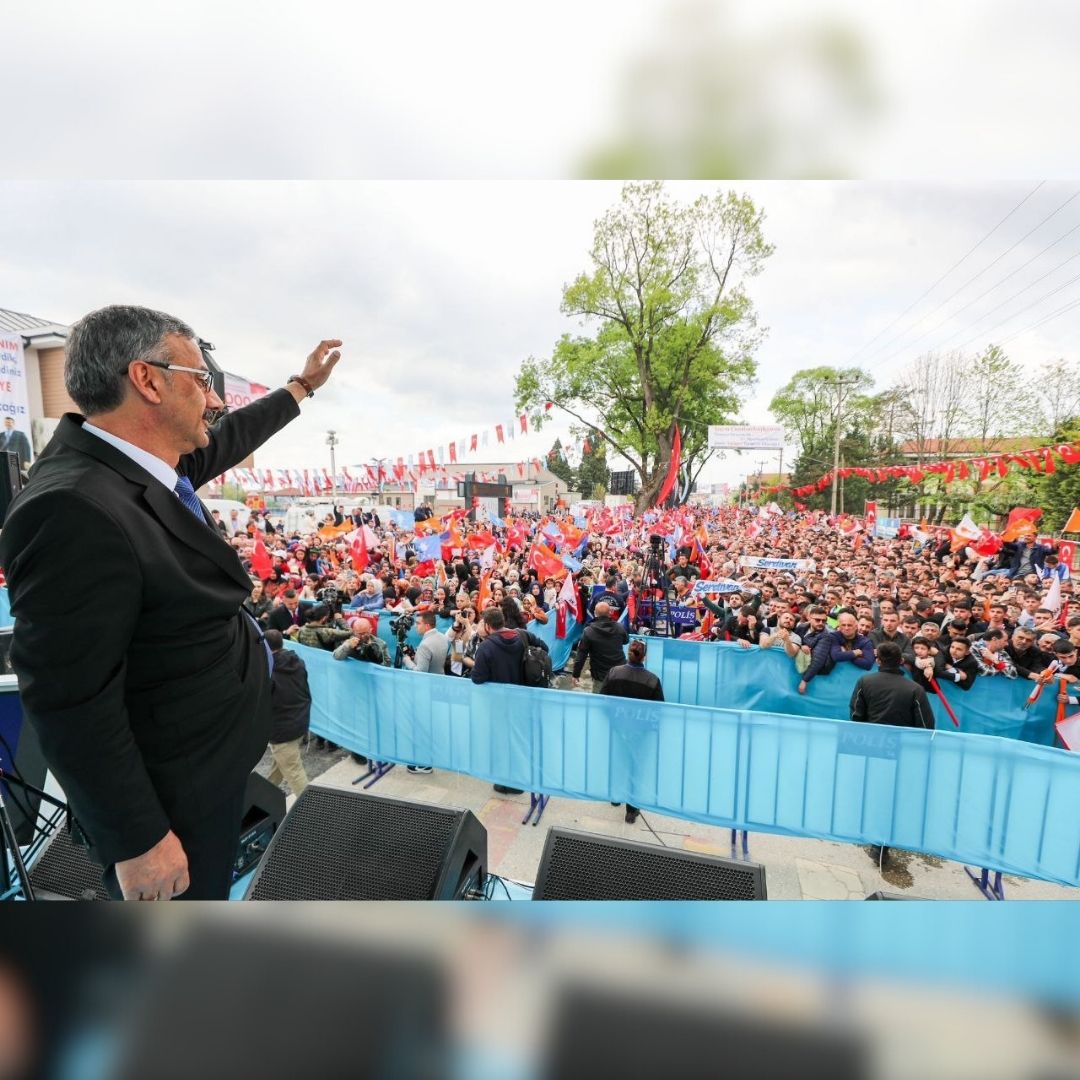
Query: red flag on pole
359	552
261	563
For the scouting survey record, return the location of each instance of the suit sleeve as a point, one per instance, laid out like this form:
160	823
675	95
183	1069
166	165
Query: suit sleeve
857	706
238	434
70	651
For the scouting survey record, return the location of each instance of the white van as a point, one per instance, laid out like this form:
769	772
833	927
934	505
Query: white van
225	508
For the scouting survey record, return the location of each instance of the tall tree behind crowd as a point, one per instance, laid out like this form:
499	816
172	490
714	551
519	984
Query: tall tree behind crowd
673	331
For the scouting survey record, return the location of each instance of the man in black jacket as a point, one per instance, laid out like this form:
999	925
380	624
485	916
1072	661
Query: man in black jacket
602	645
500	659
291	707
631	680
889	697
153	725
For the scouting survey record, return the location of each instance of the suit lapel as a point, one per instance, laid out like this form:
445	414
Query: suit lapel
168	509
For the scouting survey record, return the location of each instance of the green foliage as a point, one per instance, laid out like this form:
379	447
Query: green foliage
1059	493
671	330
556	463
592	473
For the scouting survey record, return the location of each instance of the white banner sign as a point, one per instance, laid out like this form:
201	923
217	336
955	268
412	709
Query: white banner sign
528	495
14	410
777	564
239	392
721	585
744	437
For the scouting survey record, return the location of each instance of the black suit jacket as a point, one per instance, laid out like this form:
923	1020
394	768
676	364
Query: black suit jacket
148	687
280	618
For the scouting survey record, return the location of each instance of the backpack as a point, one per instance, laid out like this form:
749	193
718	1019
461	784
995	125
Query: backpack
535	663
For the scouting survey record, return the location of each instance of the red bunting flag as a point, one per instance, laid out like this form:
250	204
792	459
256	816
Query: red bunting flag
499	432
472	443
453	453
524	421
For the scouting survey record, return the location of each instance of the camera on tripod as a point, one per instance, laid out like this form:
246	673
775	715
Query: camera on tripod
401	626
656	543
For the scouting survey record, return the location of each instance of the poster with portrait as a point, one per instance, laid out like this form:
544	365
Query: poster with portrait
14	407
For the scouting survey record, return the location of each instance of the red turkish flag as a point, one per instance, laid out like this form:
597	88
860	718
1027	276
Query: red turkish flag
545	562
523	420
499	432
359	552
453	453
261	563
472	443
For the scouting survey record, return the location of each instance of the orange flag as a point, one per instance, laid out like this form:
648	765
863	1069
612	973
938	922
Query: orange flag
484	594
1021	522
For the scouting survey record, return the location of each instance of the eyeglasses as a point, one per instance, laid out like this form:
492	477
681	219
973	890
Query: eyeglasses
204	376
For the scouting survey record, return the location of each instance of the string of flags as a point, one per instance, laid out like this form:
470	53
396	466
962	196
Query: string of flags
356	479
1040	460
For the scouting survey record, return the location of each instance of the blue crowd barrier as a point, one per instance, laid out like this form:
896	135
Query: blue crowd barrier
5	609
998	803
724	675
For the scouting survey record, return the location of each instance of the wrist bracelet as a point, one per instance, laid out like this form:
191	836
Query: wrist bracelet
308	389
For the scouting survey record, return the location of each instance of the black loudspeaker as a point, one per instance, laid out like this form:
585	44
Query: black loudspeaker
645	1033
10	481
264	812
345	845
583	866
65	871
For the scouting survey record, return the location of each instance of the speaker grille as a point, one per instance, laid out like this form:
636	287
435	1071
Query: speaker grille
577	866
66	869
342	845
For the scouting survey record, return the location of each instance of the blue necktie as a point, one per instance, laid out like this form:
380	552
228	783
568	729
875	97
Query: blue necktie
186	492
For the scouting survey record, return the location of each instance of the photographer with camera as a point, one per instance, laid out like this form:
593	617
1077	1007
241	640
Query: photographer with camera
429	657
316	634
464	641
363	645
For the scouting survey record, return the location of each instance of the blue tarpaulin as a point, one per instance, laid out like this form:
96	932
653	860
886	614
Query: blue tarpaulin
728	676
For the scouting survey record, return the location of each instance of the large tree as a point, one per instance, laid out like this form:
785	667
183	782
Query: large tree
671	331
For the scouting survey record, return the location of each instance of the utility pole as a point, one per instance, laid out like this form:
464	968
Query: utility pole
840	385
332	441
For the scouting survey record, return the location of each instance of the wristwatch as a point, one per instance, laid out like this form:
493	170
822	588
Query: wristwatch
308	388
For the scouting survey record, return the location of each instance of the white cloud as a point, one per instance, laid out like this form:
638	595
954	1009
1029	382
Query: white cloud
441	289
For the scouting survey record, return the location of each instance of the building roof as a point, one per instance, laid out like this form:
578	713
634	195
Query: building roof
29	325
956	447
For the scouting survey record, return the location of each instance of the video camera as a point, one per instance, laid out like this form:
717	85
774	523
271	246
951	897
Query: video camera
330	596
401	626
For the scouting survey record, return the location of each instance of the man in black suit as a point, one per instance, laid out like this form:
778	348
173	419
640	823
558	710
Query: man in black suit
15	442
148	686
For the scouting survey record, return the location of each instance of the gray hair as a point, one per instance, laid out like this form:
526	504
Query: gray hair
102	344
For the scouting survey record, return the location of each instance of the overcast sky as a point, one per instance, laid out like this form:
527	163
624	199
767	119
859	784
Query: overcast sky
441	289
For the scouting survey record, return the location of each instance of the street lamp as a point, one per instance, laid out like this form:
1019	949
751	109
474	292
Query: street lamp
332	441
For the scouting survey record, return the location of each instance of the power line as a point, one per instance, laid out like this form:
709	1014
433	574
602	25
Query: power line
1005	303
1028	307
954	266
956	292
1048	318
986	292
